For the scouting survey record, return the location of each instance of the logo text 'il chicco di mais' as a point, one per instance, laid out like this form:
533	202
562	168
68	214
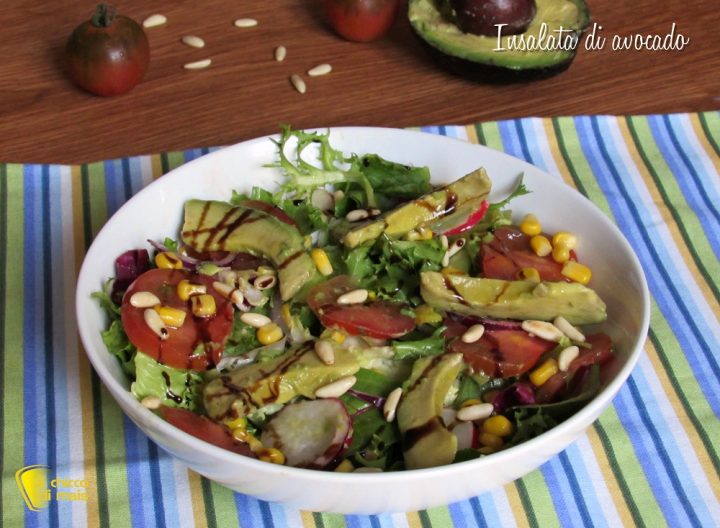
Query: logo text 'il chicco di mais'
38	492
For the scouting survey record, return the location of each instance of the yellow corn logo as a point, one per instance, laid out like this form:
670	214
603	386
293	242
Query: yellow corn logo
33	484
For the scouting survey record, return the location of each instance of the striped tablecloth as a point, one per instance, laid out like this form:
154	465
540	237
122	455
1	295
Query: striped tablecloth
650	460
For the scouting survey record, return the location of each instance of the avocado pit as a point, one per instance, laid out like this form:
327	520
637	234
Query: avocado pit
488	17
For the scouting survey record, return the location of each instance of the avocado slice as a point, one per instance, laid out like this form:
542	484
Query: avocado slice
298	372
485	58
460	198
426	440
512	299
219	226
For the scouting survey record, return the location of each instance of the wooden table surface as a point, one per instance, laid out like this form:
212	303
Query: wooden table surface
245	93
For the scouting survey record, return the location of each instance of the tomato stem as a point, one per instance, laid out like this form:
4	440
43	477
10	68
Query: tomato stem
103	16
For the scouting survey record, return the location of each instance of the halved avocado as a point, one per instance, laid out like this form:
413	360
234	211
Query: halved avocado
475	56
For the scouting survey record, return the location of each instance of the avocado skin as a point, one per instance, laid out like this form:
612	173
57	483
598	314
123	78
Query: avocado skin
426	440
487	70
220	226
512	299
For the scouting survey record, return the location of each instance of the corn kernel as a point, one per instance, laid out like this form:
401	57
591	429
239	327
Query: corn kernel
286	314
486	450
540	245
530	225
412	236
564	238
338	337
322	262
498	425
426	314
269	334
425	234
577	272
529	274
272	455
490	440
241	434
168	260
372	296
203	305
541	374
345	467
171	316
186	289
560	253
237	423
468	403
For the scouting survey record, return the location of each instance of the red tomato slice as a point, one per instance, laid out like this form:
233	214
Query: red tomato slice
377	319
205	429
503	353
177	350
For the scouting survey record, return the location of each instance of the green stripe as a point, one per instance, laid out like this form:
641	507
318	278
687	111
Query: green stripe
112	486
538	504
687	222
220	505
439	516
173	160
424	519
480	133
710	123
574	157
490	132
210	516
329	520
684	384
11	323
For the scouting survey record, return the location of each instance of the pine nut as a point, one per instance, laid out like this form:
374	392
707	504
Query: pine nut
155	323
322	199
391	404
280	53
193	41
444	242
356	215
337	388
479	411
543	330
265	282
353	297
472	334
445	262
567	356
144	299
151	402
154	21
197	65
245	22
320	69
298	83
255	320
229	292
325	351
338	195
456	247
372	213
568	329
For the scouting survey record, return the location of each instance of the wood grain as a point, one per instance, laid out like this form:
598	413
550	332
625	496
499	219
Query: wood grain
245	93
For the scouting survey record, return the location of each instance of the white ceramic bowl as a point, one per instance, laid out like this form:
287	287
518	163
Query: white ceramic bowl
156	212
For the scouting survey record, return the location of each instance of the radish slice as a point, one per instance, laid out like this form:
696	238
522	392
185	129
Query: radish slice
311	433
465	432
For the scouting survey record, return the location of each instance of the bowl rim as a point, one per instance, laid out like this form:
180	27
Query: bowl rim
582	418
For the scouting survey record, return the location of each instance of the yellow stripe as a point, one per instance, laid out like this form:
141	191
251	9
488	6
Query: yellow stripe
556	154
84	371
156	165
413	520
516	506
472	136
196	498
307	519
703	140
668	219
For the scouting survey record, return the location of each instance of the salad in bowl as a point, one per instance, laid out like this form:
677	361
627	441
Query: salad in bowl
359	318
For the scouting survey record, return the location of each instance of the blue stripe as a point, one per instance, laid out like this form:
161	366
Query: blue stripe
697	339
169	489
461	512
510	141
136	471
114	196
560	492
677	161
247	507
523	143
579	496
155	483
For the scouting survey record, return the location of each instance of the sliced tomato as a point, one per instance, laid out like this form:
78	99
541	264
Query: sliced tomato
178	350
379	319
502	353
205	429
509	252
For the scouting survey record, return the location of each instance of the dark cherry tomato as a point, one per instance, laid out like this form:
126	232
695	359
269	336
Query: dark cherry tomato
205	429
503	353
361	20
377	319
108	54
509	251
178	350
